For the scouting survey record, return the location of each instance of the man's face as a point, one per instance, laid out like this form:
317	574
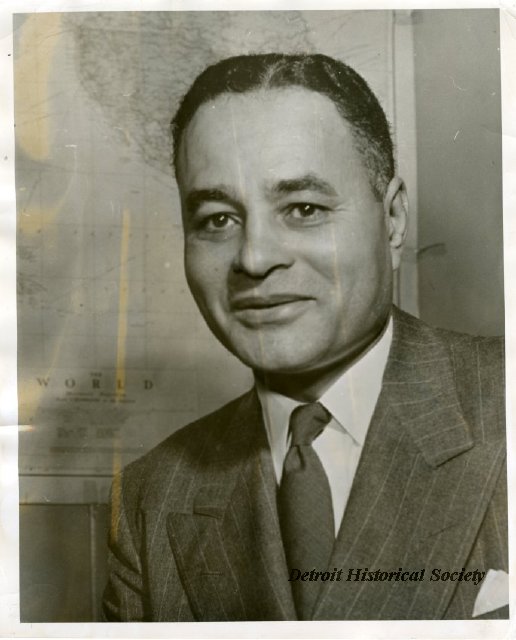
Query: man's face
287	250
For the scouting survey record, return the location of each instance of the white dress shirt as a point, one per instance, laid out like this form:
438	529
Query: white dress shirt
351	400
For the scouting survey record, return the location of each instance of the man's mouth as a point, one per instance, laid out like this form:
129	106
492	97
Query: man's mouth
278	308
265	302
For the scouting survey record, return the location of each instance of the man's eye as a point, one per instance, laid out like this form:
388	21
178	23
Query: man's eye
306	211
217	222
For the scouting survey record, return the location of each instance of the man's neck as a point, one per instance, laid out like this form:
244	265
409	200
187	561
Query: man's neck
309	386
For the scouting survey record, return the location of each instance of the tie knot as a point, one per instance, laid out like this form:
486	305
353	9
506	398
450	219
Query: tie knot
306	423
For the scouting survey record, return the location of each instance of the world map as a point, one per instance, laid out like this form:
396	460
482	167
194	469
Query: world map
113	354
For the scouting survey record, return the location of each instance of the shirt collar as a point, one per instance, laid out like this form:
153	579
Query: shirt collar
351	399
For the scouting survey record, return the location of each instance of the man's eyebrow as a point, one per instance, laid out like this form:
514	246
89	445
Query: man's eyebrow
308	182
197	197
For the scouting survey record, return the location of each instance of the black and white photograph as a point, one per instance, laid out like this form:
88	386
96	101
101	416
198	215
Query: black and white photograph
260	316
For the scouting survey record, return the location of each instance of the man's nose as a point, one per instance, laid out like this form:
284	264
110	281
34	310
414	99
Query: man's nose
263	248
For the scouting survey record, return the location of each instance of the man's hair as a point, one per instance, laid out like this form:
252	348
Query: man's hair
350	93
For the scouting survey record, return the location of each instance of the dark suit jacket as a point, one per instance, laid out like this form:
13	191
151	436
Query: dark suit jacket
195	532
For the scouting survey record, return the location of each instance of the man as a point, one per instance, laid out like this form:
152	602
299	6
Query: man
363	476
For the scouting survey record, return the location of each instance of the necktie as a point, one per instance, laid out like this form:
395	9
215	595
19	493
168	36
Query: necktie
305	506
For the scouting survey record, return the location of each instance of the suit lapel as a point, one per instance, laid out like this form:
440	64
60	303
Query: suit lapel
420	491
227	546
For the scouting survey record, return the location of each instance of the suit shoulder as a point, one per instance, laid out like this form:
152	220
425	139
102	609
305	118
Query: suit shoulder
491	349
187	442
476	371
468	340
486	352
479	374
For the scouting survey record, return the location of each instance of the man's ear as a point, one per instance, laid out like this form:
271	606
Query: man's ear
395	206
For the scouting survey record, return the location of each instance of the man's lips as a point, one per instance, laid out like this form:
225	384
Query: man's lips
257	312
266	302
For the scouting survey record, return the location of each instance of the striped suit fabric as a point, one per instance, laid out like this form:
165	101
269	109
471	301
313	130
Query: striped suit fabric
195	532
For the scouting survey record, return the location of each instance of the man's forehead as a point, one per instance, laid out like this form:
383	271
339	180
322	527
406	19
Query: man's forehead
294	130
292	103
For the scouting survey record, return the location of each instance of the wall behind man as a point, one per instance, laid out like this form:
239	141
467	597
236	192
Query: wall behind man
459	157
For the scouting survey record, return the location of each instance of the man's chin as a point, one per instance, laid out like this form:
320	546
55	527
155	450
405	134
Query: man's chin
272	362
270	348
